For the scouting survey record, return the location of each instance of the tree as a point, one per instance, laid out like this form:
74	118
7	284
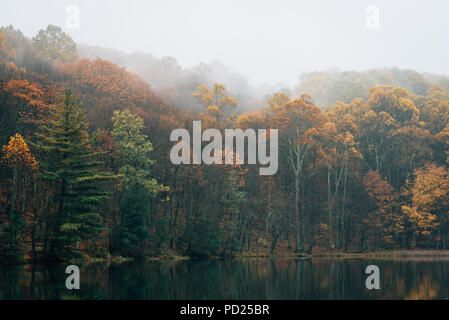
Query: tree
24	108
278	99
68	164
7	53
232	199
17	156
381	219
300	122
55	45
104	87
216	101
428	205
138	184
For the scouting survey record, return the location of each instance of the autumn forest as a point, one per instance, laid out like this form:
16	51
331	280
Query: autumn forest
85	171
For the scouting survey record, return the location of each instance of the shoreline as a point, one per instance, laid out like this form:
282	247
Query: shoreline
418	254
381	254
394	254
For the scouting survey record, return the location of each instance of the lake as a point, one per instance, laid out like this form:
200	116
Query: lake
320	278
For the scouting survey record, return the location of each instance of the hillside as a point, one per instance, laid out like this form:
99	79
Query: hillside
86	169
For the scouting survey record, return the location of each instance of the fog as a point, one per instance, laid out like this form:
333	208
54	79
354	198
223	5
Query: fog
265	41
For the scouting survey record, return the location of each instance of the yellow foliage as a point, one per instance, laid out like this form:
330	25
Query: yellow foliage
17	154
215	101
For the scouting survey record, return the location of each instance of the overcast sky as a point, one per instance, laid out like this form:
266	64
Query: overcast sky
265	41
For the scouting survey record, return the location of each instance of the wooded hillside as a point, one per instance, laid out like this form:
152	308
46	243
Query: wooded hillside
85	167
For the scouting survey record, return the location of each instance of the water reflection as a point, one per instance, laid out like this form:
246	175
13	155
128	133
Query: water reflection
247	279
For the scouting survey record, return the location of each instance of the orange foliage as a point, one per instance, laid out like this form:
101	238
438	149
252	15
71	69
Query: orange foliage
17	154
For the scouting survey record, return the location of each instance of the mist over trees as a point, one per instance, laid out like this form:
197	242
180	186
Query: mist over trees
329	87
175	84
85	168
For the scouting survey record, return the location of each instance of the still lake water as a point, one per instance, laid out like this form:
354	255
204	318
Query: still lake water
237	279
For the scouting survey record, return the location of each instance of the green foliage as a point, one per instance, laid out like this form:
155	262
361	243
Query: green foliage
68	164
204	236
134	209
55	45
134	151
138	185
12	228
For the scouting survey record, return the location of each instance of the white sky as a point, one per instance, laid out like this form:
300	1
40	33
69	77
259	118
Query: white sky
265	41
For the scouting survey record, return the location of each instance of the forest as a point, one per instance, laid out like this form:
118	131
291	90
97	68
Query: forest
85	170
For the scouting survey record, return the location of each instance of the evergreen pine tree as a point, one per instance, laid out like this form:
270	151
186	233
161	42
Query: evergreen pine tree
134	210
68	164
